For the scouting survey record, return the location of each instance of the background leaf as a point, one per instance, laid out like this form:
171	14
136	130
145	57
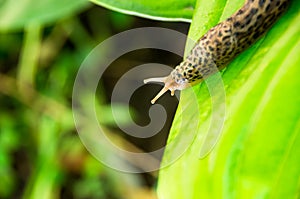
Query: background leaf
15	16
258	153
166	10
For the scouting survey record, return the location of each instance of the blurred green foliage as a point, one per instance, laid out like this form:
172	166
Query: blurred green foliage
14	17
42	45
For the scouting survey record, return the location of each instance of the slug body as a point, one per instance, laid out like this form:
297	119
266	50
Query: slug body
222	43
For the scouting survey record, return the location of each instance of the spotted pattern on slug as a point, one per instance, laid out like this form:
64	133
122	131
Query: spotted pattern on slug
222	43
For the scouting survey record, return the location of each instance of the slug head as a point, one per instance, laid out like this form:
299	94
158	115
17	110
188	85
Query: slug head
170	84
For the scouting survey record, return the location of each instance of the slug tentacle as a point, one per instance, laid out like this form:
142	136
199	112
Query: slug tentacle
170	84
222	43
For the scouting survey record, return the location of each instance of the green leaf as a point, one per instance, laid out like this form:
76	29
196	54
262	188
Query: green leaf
257	155
166	10
15	15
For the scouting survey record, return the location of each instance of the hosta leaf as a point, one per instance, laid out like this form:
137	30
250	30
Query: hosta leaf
258	153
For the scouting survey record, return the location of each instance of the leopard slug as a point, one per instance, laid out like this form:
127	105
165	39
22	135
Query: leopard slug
222	43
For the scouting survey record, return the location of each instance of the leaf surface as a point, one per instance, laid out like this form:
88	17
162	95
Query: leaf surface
257	155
